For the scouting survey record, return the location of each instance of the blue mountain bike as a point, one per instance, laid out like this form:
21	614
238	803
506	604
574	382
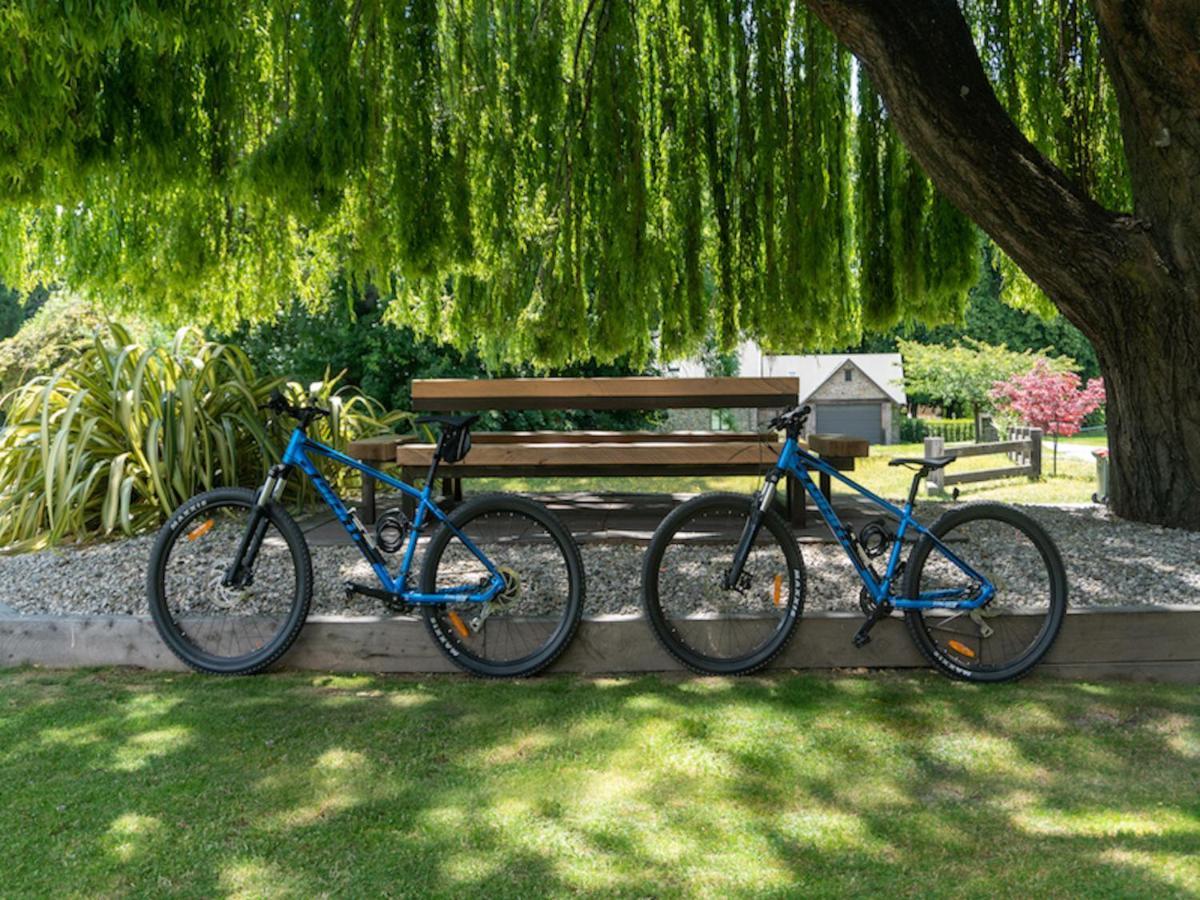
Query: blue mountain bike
230	580
983	590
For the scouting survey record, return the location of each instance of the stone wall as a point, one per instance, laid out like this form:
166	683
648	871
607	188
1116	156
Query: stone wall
859	387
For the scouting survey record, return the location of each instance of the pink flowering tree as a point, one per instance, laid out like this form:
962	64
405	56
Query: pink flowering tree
1055	402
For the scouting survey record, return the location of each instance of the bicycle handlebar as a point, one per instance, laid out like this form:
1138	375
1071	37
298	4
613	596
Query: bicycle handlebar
277	403
791	420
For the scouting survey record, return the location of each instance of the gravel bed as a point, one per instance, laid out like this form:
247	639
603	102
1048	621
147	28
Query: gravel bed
1109	562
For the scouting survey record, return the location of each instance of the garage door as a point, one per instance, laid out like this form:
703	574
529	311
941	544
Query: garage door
857	419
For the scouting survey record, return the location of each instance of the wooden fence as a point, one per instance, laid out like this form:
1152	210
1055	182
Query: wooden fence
1023	447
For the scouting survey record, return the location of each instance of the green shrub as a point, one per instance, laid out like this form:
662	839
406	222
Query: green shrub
352	334
59	331
121	434
950	430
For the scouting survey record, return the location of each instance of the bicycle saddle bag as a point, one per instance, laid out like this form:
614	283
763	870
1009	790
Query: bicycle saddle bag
456	443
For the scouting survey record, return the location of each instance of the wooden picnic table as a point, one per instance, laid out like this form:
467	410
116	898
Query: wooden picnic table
548	454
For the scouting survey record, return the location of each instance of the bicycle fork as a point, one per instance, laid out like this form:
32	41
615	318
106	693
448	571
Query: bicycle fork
733	580
240	573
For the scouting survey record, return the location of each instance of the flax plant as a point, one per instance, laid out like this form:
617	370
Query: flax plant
115	439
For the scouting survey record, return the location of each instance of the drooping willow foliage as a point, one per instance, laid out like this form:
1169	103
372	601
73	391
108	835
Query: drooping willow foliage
545	179
1045	61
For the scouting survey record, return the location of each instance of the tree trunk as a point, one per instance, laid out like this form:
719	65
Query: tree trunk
1152	378
1130	282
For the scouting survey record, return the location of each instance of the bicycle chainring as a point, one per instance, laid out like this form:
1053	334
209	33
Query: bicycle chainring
870	608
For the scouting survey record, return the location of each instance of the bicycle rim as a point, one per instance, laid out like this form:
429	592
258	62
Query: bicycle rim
526	626
1006	637
215	627
704	624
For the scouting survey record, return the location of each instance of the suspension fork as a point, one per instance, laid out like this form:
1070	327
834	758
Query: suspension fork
733	574
240	573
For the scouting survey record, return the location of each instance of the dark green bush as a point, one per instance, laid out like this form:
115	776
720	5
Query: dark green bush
951	430
382	360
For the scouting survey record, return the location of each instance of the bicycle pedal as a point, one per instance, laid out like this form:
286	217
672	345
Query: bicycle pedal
862	637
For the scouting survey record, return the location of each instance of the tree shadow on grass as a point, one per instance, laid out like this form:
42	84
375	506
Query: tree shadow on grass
301	785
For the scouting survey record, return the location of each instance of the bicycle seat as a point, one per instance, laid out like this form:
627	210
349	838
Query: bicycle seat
925	462
449	421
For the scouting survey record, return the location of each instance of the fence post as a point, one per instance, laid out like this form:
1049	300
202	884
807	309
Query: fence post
1035	452
935	446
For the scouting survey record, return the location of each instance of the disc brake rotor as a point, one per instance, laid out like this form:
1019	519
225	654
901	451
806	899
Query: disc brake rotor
223	596
512	586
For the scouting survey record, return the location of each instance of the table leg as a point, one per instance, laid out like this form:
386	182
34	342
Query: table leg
407	503
826	486
368	500
795	502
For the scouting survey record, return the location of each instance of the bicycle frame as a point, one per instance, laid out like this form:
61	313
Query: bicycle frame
798	462
296	455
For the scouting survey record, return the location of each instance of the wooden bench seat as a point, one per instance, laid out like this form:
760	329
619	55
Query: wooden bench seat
591	458
620	437
660	456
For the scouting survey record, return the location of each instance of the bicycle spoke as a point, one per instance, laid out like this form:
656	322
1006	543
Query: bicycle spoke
709	626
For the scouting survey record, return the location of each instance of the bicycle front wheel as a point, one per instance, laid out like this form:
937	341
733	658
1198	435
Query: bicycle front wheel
210	626
530	623
1009	635
706	626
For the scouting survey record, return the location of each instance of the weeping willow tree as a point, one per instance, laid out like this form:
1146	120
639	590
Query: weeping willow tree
558	179
549	179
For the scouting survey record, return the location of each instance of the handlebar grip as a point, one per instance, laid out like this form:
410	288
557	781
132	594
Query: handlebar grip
277	403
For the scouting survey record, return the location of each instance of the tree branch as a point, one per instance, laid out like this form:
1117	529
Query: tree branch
921	57
1152	54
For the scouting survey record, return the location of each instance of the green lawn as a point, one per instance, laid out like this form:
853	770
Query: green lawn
128	783
1074	483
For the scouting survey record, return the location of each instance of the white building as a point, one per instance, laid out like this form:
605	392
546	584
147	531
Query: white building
851	393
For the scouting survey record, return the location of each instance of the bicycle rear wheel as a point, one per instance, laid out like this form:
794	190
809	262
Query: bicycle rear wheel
707	627
215	628
525	628
1008	636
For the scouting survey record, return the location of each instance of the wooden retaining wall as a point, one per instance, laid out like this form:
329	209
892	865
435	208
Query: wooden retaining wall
1141	643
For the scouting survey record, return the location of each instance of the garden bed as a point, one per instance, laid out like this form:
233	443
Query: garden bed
1135	610
1110	562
